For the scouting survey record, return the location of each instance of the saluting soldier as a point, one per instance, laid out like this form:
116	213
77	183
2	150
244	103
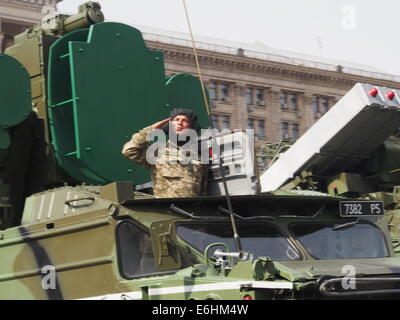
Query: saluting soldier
177	170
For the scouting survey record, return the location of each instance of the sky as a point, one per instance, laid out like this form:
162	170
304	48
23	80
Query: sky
359	31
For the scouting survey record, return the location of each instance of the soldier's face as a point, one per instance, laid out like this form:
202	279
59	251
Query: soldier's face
180	123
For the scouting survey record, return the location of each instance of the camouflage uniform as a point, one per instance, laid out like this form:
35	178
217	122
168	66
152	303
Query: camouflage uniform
171	179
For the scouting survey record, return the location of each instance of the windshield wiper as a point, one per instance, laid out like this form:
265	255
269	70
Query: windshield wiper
223	210
346	225
305	217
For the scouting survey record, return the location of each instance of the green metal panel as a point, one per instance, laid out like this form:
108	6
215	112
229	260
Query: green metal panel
15	92
60	111
105	85
120	87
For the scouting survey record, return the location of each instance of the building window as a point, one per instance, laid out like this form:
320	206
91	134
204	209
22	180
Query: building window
261	128
320	105
293	102
315	106
224	92
295	131
250	124
249	96
255	96
288	101
214	119
260	97
135	251
282	100
219	91
285	130
212	90
325	105
226	122
290	131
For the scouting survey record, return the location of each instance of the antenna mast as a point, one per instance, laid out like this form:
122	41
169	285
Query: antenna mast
236	237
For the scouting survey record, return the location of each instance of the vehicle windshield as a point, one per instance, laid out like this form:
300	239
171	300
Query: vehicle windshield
262	239
341	240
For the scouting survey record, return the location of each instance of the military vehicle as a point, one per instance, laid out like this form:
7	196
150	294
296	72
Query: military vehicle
73	91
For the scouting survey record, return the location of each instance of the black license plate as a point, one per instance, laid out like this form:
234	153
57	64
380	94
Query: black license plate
361	208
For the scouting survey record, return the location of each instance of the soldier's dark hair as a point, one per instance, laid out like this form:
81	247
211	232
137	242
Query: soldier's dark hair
190	114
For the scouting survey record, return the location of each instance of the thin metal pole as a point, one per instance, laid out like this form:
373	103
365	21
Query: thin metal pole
236	237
